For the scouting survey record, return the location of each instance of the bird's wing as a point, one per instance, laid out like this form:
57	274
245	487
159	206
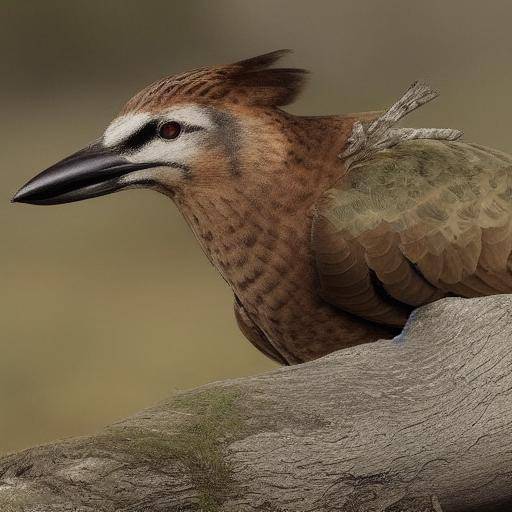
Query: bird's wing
413	223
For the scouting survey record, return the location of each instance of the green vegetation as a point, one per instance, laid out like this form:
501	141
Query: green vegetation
211	421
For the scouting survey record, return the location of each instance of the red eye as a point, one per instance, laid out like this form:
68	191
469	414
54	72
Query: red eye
169	130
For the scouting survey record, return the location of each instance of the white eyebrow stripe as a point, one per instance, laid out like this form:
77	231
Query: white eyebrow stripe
122	127
190	114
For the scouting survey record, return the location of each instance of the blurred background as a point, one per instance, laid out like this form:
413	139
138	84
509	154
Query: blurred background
109	305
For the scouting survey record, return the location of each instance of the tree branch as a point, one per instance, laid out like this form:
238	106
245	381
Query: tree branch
417	423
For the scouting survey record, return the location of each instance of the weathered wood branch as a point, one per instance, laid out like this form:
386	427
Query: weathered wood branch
419	423
366	140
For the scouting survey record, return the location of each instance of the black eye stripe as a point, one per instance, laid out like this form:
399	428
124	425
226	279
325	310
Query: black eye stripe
148	132
140	137
188	128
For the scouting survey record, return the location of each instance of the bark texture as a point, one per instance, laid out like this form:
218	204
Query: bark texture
419	423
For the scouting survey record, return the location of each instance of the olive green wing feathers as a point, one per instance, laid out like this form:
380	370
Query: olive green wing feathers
412	223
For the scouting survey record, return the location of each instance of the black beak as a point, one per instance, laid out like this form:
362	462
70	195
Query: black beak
93	171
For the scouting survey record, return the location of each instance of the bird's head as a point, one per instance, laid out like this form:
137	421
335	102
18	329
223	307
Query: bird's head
194	129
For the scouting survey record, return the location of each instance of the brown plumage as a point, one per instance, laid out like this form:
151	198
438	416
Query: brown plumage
250	82
329	230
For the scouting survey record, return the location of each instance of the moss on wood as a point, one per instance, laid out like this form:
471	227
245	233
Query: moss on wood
199	443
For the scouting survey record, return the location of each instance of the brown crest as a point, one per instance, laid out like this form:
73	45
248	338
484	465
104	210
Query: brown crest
250	82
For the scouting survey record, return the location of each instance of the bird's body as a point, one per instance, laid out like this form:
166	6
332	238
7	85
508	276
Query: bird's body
257	232
329	230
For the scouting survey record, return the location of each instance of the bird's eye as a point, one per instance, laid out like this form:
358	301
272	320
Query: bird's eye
169	130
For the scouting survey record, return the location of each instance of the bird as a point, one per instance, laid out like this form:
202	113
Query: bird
329	230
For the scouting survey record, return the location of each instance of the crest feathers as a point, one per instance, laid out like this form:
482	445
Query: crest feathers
248	82
262	61
269	86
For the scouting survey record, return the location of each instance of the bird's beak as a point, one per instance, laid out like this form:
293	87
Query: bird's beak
93	171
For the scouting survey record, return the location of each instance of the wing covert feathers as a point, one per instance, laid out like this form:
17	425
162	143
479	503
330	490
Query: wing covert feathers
414	223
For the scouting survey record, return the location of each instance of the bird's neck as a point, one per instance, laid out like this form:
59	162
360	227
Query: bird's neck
265	212
257	232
